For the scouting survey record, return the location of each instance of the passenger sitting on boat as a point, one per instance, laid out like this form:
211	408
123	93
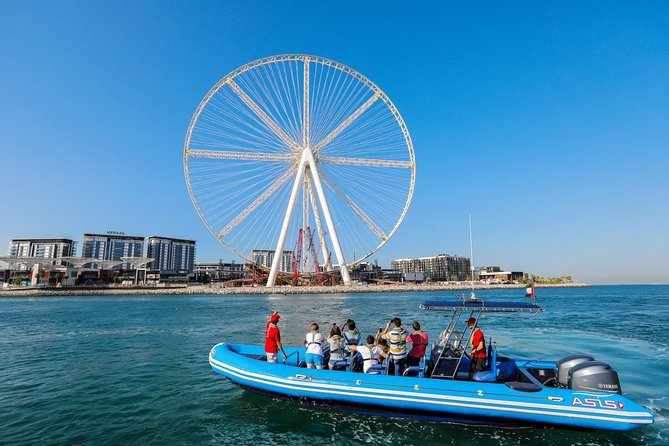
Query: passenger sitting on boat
368	351
313	341
337	346
352	335
478	353
418	340
397	338
383	347
273	338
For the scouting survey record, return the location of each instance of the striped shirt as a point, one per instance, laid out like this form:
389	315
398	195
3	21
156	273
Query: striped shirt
397	338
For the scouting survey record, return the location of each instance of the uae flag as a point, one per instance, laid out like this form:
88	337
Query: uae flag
529	291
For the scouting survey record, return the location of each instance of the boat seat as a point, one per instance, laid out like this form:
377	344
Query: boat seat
489	375
378	369
523	386
416	370
506	369
340	365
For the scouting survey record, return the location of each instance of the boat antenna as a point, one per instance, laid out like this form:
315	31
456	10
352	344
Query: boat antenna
471	258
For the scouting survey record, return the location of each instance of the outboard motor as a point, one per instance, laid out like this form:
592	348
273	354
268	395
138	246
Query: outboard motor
594	375
566	363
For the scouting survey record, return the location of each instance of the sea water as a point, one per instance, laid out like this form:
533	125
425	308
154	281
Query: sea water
109	370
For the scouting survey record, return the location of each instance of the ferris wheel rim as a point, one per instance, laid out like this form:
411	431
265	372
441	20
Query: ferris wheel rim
324	62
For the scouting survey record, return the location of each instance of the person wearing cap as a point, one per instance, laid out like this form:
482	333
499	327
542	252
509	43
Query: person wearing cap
478	353
273	338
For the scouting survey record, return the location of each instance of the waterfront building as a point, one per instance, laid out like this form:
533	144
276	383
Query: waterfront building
496	275
219	271
112	246
47	248
265	257
171	254
439	268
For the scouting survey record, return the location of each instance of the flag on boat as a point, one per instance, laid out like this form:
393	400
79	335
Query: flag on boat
529	291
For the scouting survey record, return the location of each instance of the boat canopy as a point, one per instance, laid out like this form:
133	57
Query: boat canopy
482	306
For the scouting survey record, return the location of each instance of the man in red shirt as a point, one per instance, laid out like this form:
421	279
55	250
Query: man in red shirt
273	338
478	353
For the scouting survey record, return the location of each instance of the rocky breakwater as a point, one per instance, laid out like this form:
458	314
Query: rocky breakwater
215	289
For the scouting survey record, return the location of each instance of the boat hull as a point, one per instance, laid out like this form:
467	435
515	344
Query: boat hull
427	398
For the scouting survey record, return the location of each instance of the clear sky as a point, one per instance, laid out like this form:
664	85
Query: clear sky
548	122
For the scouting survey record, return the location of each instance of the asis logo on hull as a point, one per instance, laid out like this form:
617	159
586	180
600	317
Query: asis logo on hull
596	402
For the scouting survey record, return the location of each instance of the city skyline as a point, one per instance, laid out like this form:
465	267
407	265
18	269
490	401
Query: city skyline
546	123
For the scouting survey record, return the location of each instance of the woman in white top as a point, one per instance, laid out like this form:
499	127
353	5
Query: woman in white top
313	340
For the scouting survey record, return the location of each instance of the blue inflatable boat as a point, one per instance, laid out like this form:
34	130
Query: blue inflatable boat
574	392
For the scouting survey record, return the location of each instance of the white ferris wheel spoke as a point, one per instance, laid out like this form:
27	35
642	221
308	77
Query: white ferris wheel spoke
257	202
305	106
366	162
345	123
305	220
319	228
263	116
250	156
343	268
355	208
278	252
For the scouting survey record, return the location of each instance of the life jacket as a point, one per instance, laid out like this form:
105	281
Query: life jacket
420	336
313	338
371	352
352	337
338	340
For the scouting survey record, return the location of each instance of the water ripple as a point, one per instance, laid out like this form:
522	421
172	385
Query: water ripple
112	370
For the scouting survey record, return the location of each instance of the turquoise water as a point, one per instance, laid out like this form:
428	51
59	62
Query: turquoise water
133	370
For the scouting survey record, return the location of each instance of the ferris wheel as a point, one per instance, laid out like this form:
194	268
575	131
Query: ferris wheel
299	154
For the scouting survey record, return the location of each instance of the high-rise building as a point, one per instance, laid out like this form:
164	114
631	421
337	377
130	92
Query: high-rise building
50	248
171	254
112	246
265	257
439	268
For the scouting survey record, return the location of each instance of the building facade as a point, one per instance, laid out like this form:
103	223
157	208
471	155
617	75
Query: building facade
49	248
495	274
171	254
439	268
265	257
220	271
112	246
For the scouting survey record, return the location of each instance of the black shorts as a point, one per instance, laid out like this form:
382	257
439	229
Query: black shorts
412	360
477	364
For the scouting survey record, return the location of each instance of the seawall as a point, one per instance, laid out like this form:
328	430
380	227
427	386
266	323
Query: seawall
214	289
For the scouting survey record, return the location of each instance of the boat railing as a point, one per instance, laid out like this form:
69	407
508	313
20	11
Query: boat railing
296	352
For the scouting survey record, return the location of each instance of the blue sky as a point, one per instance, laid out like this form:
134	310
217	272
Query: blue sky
549	123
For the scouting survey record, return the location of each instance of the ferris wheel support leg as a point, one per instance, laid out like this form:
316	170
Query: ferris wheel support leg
278	253
328	218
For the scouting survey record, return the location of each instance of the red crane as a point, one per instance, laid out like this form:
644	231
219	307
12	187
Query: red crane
297	256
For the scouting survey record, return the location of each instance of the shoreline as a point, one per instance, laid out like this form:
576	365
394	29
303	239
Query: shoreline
213	290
